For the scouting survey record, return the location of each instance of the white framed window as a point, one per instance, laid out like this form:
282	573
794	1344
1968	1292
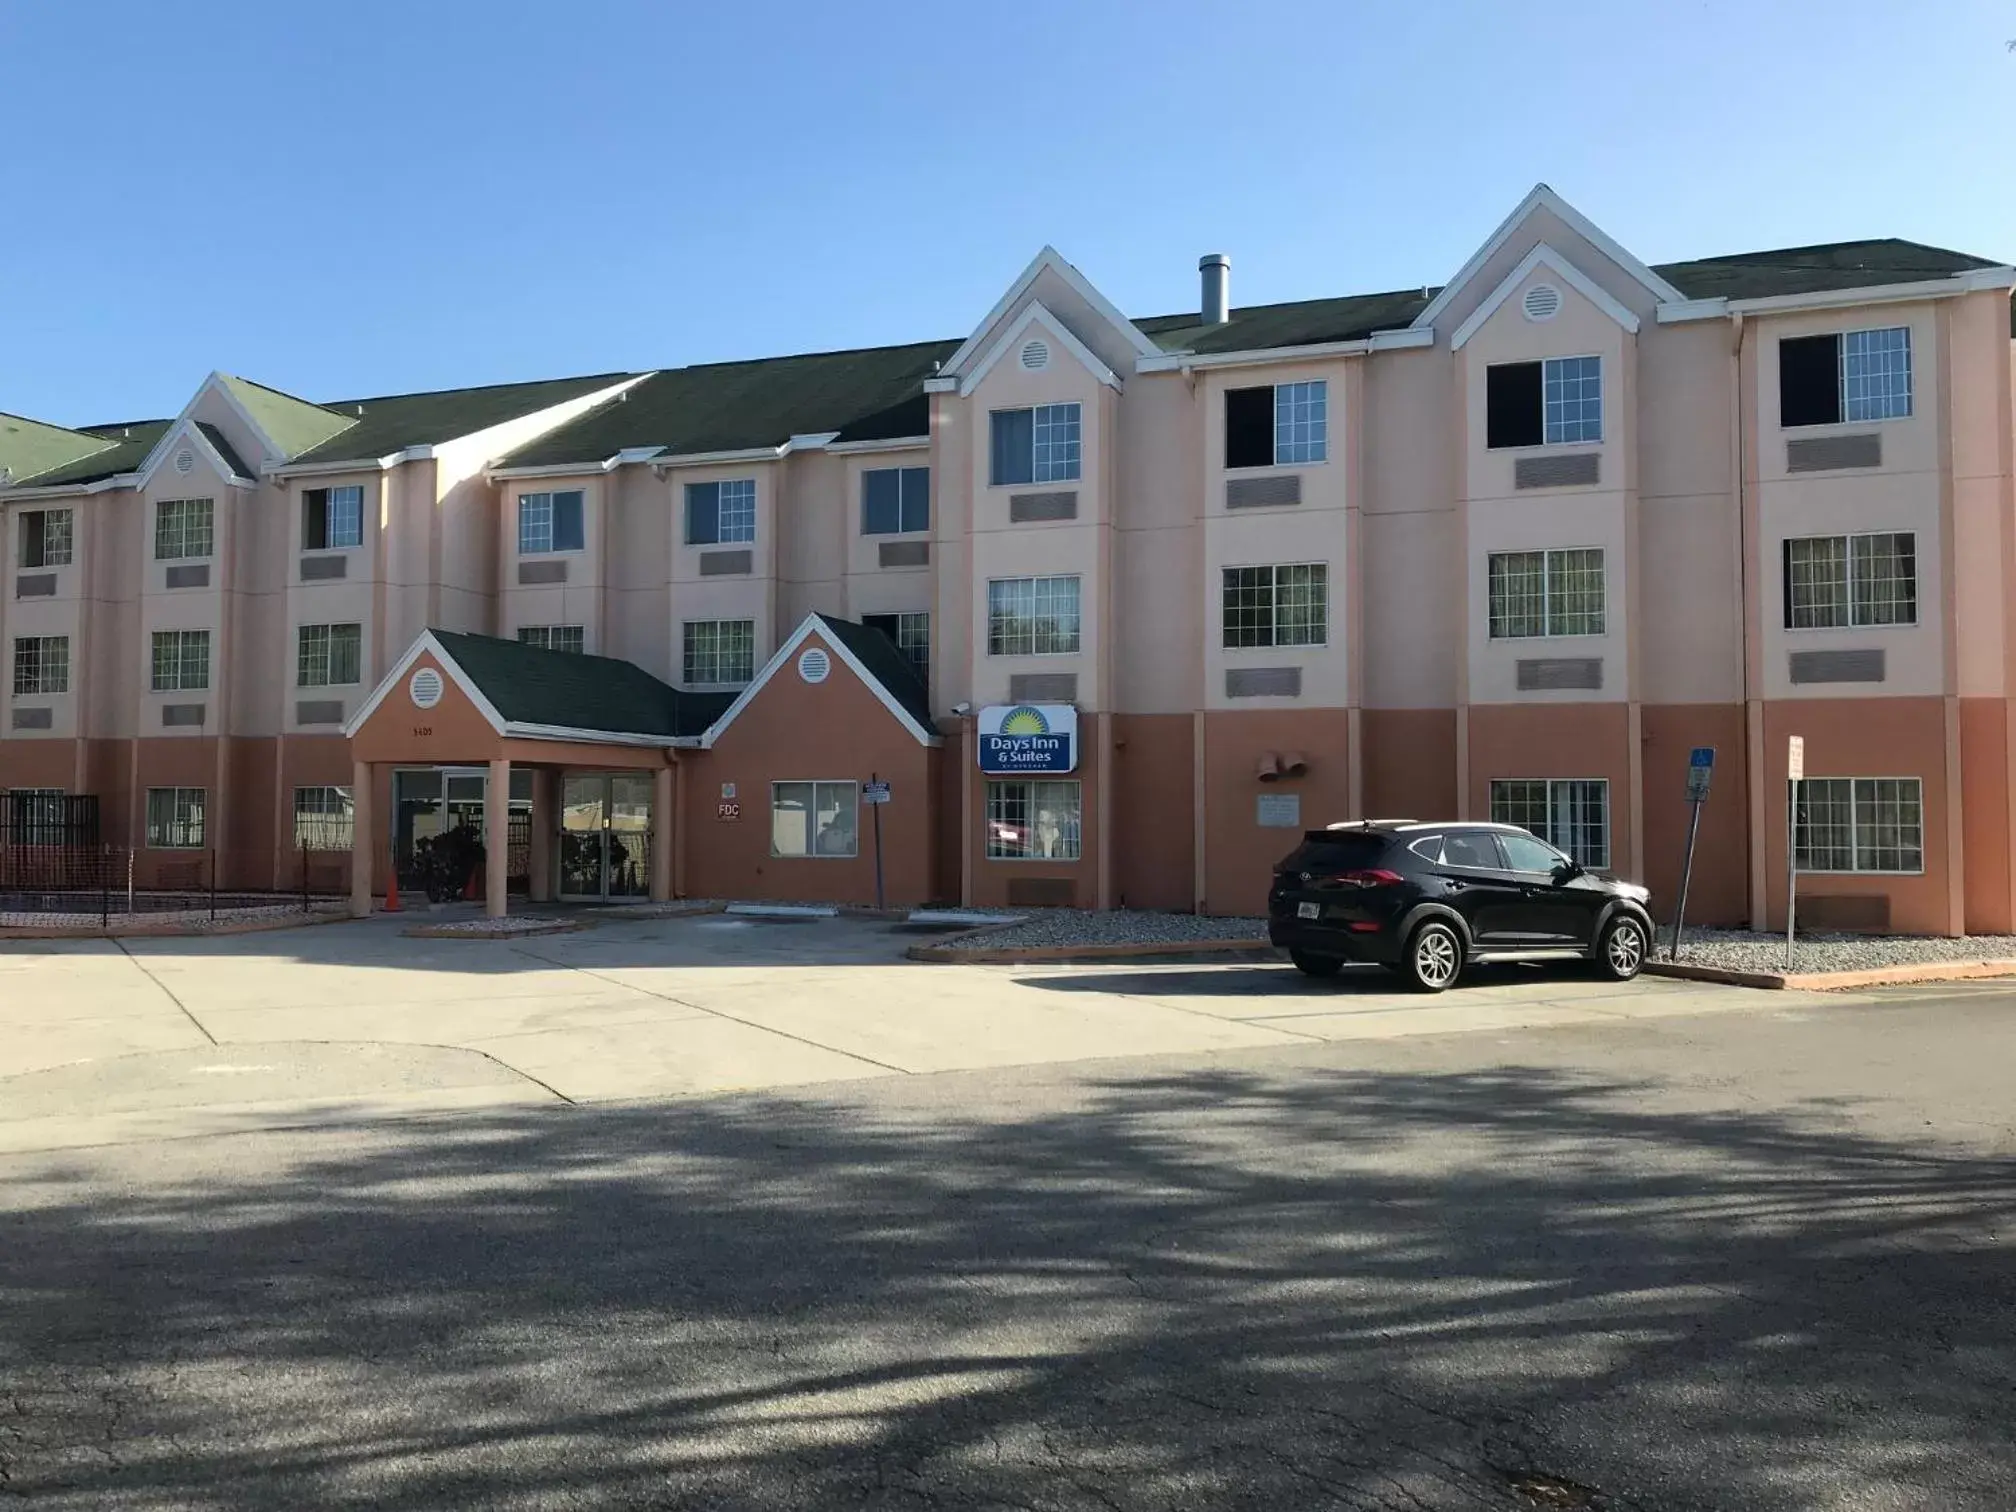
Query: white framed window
720	514
572	638
814	819
1035	445
332	519
1277	424
1277	606
1853	376
181	662
895	500
1535	594
1554	402
46	537
549	522
1032	616
324	818
1860	824
1034	821
184	528
329	656
175	818
912	634
719	652
41	664
1571	814
1835	582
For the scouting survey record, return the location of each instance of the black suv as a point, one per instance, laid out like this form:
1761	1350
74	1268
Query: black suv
1426	900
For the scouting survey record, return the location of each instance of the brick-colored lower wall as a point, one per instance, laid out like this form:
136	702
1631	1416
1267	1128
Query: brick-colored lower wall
1720	892
1154	805
1409	758
1239	851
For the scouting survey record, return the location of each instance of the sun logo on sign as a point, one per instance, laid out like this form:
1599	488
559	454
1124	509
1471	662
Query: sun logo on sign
1024	721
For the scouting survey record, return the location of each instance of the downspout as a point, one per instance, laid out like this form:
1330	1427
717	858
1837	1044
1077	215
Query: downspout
1753	713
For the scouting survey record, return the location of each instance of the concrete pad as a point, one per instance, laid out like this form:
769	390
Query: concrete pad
26	1048
669	1059
464	1021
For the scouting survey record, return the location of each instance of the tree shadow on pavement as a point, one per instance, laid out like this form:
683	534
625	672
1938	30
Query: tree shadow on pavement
1232	1289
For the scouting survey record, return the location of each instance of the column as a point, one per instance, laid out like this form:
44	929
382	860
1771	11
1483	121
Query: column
363	839
496	838
664	834
542	834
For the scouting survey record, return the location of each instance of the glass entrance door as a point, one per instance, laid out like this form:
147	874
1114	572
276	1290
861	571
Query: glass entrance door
605	836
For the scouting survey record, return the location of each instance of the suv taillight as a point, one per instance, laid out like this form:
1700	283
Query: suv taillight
1369	877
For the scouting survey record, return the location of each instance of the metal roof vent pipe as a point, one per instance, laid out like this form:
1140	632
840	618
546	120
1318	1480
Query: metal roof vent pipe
1216	269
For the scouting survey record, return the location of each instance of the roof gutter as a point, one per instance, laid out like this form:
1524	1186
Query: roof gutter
1378	341
72	490
349	464
516	731
1971	281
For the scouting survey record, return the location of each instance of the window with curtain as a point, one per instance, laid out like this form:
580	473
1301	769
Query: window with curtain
41	664
181	661
183	528
324	818
329	655
895	500
1860	824
814	818
719	514
332	518
1536	594
1032	616
46	538
1835	582
1571	814
1034	821
551	522
1035	445
719	652
1277	606
554	637
175	818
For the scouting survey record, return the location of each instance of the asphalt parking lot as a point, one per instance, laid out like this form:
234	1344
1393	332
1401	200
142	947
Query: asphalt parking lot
112	1040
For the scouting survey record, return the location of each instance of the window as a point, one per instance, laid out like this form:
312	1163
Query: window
813	818
1033	821
721	513
720	651
912	635
1849	375
1543	593
324	819
1032	616
1860	824
895	500
1038	445
175	818
1278	424
41	664
554	637
45	538
330	655
550	522
1832	582
182	528
35	816
1277	606
1572	815
332	518
1551	403
181	660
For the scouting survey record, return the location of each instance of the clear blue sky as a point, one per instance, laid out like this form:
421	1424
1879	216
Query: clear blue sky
361	198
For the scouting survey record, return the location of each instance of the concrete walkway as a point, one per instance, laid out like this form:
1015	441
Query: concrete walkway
105	1041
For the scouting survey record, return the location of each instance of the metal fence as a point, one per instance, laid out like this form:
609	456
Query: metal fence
66	878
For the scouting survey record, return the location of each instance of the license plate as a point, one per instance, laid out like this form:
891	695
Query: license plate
1308	910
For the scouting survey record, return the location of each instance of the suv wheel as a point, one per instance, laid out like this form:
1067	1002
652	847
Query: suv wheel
1620	955
1315	965
1434	957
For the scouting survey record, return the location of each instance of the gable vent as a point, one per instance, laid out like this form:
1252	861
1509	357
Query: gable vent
1542	302
814	665
1035	354
185	462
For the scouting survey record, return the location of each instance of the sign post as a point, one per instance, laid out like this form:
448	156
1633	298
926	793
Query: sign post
1700	768
1795	777
875	794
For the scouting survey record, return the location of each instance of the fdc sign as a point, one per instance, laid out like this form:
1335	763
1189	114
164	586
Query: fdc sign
1021	738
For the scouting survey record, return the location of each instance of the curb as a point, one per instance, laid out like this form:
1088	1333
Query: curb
174	931
450	932
1837	981
980	955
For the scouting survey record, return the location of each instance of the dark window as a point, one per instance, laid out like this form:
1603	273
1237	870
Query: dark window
1249	427
1014	449
1512	407
315	519
567	529
1327	854
1809	380
911	634
895	500
1474	850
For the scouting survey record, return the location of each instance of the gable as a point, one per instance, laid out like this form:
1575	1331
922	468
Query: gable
194	454
855	662
1037	336
1072	302
392	726
1541	270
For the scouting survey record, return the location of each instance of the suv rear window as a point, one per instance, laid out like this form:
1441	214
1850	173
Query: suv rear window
1327	854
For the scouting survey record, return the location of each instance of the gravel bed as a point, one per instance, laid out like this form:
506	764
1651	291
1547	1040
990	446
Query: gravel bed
1743	950
1053	927
511	927
167	921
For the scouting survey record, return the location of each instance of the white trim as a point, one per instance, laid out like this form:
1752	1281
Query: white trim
786	653
69	490
811	441
1378	341
1038	314
1972	281
1538	197
662	464
281	470
188	429
1543	256
1049	258
623	458
515	731
894	443
423	643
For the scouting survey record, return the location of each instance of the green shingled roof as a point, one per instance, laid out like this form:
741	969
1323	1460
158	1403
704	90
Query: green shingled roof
1306	322
294	424
394	422
231	458
130	441
1812	270
28	447
528	685
885	663
874	393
